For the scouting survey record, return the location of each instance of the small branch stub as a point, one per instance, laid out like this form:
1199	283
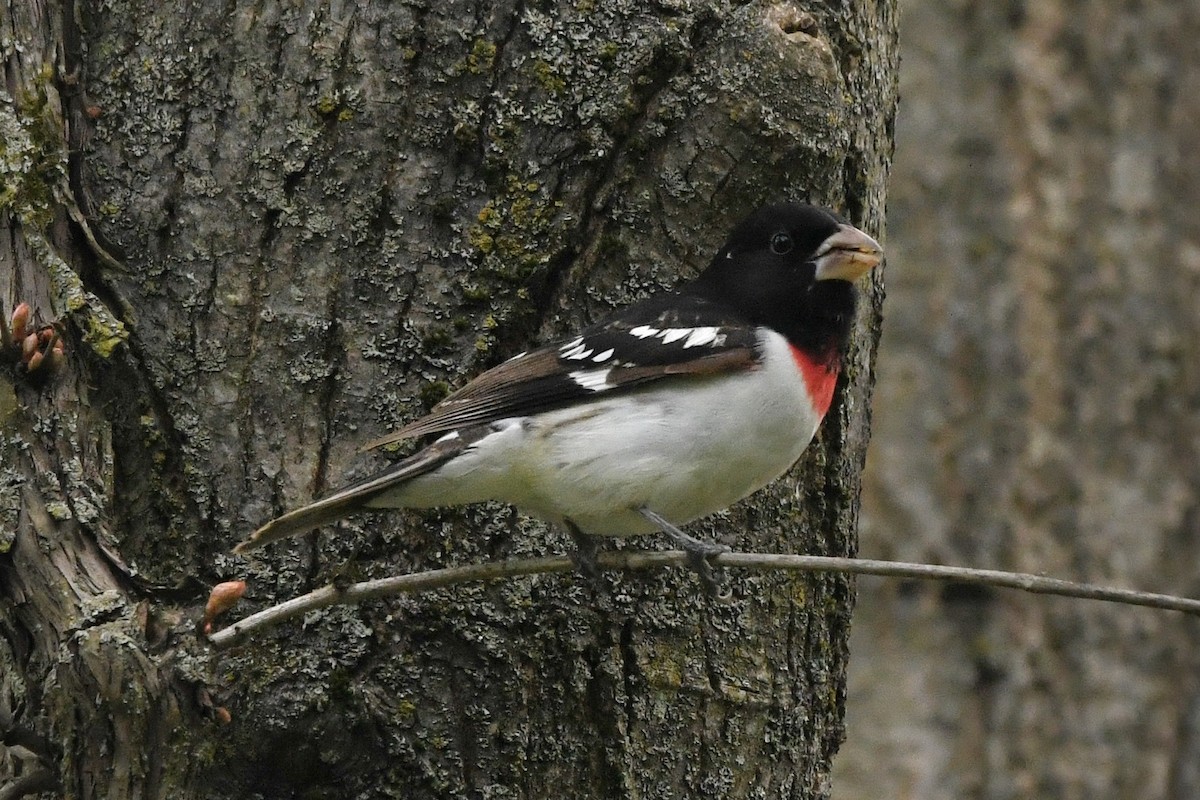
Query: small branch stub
222	598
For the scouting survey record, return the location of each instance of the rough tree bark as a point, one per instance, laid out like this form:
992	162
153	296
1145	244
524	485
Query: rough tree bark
276	230
1037	408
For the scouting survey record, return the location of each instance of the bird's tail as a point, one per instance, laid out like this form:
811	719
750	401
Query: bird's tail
326	510
354	498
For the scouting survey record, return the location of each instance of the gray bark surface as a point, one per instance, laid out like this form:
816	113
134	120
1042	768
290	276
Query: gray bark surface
1036	409
275	231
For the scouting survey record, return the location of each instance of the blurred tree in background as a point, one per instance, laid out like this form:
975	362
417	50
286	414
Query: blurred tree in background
1038	408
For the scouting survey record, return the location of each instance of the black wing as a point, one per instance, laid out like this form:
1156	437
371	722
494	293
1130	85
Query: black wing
667	335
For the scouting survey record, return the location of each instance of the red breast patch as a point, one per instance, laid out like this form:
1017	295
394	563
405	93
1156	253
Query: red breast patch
820	379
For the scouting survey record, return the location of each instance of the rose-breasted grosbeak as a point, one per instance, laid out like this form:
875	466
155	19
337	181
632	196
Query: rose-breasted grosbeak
671	409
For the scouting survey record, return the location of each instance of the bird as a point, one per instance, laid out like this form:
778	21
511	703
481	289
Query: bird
671	409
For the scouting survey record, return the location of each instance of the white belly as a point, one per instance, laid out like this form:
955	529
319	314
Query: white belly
682	454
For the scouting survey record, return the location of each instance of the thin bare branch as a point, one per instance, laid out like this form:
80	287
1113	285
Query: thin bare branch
241	630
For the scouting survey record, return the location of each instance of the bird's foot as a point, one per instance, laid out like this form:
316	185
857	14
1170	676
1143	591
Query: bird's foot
698	552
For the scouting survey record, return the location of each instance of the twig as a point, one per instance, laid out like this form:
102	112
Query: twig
637	560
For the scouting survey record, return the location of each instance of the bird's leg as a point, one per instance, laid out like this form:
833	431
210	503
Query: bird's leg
586	547
698	551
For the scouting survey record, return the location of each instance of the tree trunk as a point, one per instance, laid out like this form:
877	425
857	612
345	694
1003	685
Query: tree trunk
1038	395
274	231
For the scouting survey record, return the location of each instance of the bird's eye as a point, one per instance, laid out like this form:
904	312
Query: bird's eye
781	244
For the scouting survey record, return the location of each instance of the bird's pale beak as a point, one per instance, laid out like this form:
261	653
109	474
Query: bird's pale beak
847	255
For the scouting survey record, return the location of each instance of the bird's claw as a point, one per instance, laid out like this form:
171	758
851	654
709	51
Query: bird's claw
699	553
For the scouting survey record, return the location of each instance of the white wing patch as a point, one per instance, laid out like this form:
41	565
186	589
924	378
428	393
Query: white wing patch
693	337
576	350
702	336
674	334
594	380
